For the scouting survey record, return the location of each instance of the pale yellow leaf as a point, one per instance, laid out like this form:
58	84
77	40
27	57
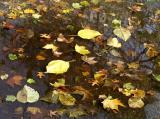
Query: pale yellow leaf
81	50
88	34
114	42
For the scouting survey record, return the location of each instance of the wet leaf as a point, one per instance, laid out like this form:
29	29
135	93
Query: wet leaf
33	110
114	42
157	77
12	56
81	50
27	94
60	83
76	6
57	67
89	60
15	80
135	102
11	98
81	91
112	104
29	11
31	81
4	76
122	33
50	46
66	99
88	34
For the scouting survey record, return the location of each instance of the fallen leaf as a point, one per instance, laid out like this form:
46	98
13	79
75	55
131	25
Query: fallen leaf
88	34
33	110
29	11
11	98
135	102
27	94
57	67
15	80
112	104
12	56
4	76
31	81
89	60
46	36
66	99
76	112
60	83
114	42
122	33
81	91
133	65
50	46
81	50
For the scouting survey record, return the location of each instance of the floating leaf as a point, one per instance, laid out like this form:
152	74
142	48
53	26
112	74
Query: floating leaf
112	104
88	34
81	50
27	94
50	46
12	56
76	5
30	81
57	67
135	102
157	77
114	42
11	98
60	83
122	33
66	99
89	60
4	76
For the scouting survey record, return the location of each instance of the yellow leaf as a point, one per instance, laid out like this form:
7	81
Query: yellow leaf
50	46
57	67
114	42
112	104
81	50
135	102
122	33
88	34
29	11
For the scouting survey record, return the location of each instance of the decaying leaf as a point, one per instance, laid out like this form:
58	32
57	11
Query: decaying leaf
89	60
112	104
81	50
88	34
27	94
15	80
57	67
122	33
81	91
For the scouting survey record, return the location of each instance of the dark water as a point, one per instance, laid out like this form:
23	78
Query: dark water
146	32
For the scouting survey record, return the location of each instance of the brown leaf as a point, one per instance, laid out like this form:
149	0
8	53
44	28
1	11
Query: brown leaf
15	80
89	60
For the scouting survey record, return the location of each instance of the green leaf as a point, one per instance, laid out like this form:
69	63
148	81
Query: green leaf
122	33
66	99
88	33
57	67
76	6
11	98
81	50
60	83
27	94
157	77
12	56
31	81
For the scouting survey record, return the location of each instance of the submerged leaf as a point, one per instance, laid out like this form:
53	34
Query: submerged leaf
88	34
57	67
81	50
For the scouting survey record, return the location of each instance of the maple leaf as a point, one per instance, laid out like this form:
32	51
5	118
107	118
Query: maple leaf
112	104
15	80
40	75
